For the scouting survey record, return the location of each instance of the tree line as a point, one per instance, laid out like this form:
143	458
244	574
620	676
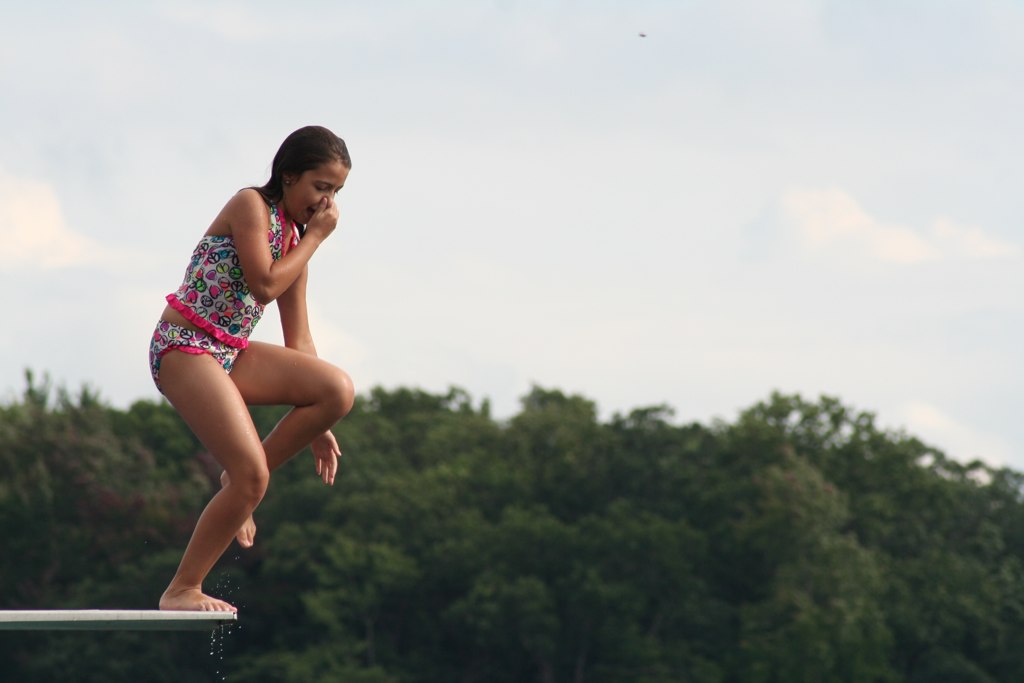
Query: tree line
800	543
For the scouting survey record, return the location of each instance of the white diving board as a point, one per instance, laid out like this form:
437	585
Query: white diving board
112	620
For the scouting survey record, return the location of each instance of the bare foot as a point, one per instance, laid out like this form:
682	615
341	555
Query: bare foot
246	534
192	599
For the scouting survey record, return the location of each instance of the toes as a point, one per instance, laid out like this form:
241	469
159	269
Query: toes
247	534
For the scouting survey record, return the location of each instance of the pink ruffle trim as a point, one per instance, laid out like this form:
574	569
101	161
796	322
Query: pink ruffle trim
184	349
206	325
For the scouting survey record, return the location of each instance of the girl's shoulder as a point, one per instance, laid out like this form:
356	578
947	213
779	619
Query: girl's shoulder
250	199
245	209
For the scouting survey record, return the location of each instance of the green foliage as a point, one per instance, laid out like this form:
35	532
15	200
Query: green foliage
799	544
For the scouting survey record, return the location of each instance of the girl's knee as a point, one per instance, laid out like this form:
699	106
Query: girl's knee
251	483
341	394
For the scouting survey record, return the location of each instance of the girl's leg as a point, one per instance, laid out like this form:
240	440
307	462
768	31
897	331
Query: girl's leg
209	402
322	394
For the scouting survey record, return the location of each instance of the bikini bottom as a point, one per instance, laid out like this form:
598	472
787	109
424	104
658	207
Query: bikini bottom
170	337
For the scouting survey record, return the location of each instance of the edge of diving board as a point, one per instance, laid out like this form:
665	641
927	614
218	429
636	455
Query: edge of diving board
112	620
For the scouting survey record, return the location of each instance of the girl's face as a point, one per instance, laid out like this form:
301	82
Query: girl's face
303	193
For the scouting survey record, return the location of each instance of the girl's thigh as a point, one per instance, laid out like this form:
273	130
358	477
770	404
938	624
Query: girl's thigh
211	405
267	374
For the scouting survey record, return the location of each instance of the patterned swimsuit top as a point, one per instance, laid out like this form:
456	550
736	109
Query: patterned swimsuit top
214	295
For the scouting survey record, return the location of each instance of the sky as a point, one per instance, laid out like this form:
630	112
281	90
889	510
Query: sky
643	202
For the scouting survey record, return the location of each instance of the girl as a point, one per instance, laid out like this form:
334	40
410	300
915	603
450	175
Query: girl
203	362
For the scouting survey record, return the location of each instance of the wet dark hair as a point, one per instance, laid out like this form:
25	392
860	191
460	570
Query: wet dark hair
305	149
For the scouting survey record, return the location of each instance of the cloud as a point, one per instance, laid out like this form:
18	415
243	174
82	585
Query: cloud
34	231
833	220
971	242
959	440
241	22
231	21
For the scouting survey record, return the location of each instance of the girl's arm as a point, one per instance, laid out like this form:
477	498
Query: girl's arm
246	214
291	306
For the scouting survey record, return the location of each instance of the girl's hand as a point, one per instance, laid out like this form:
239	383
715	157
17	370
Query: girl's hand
324	219
326	453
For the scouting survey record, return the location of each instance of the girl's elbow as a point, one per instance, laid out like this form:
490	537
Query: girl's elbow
263	292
